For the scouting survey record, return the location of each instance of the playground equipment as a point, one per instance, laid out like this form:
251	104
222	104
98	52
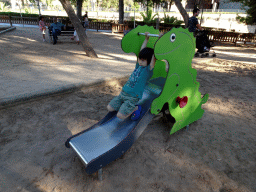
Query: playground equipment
175	90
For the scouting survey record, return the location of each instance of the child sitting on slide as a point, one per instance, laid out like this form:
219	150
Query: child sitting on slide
125	102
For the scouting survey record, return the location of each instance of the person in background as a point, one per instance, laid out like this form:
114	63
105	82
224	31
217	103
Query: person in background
56	28
193	24
42	27
86	22
201	39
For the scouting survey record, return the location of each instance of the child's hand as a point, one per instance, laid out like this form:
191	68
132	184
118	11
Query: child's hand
146	34
161	34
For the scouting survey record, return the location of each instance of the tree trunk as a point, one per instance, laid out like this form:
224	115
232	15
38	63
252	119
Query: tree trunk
182	11
79	4
121	11
170	5
79	28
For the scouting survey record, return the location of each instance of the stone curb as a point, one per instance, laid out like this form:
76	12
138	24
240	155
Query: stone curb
8	102
9	29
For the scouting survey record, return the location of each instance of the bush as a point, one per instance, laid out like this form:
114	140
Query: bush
103	20
249	20
171	20
149	17
26	11
99	20
18	14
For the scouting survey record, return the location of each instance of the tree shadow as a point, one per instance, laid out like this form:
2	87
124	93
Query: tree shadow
228	51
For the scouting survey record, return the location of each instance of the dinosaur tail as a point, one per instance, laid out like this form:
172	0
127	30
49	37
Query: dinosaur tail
205	98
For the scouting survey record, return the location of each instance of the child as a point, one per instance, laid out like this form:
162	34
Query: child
75	37
125	102
42	27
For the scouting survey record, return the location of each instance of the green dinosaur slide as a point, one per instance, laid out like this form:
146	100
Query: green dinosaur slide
181	90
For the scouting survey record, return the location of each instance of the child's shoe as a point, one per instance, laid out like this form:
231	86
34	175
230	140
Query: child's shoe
136	114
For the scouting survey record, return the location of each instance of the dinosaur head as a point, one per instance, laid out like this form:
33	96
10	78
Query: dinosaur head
175	44
131	42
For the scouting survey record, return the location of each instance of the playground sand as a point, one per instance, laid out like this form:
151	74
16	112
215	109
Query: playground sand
216	153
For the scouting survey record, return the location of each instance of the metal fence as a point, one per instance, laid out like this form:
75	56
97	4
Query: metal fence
220	10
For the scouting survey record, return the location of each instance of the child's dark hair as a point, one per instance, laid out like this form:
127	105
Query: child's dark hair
146	53
40	18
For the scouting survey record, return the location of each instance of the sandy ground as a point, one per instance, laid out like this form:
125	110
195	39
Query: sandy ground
216	153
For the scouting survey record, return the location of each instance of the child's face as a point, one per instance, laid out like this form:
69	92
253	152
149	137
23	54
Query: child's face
143	62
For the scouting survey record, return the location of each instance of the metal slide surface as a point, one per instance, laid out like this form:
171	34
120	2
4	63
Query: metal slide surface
111	137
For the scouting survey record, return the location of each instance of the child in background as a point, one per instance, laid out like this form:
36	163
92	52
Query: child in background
75	37
125	102
42	27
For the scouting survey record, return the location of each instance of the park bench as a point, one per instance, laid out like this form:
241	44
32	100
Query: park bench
69	31
232	37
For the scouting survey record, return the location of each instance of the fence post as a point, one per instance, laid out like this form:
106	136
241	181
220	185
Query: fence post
98	26
22	19
10	20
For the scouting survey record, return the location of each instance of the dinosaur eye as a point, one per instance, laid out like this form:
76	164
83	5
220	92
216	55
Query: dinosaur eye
173	37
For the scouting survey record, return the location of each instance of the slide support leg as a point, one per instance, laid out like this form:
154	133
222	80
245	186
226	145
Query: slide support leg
100	174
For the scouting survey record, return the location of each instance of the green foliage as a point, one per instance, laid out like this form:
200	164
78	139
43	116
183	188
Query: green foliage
18	14
49	2
134	5
171	20
103	20
73	2
247	20
92	20
26	10
150	2
3	6
148	17
109	4
131	18
250	7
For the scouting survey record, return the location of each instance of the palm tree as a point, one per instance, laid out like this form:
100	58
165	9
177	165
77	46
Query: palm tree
171	20
148	17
